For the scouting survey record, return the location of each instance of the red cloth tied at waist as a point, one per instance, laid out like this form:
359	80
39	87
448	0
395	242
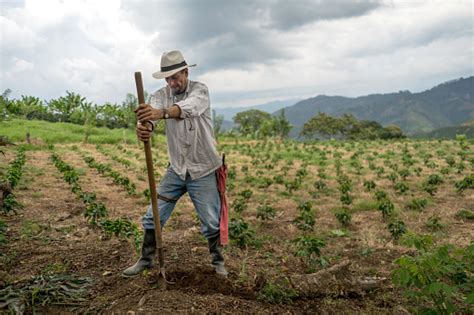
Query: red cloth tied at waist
221	175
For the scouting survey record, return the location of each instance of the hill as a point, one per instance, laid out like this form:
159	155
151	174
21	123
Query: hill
448	104
269	107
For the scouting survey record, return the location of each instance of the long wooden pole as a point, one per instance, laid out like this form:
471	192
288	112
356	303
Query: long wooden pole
151	181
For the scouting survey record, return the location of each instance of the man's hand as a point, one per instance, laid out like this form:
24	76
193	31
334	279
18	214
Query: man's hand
144	131
146	113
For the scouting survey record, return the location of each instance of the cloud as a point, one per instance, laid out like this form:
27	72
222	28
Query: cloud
246	51
287	15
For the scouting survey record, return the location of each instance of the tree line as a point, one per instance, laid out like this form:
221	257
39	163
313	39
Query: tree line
72	108
258	124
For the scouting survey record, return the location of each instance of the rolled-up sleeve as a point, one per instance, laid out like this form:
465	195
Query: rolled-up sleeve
196	103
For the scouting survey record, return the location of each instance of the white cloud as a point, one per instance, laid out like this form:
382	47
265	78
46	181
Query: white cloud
20	65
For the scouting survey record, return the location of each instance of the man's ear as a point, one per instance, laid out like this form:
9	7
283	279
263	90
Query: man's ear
186	72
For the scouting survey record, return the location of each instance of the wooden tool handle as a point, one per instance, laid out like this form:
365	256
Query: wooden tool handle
149	167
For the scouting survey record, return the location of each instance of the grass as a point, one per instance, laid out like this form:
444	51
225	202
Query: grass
16	129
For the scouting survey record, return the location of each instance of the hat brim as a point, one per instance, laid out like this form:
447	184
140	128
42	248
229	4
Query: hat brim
162	75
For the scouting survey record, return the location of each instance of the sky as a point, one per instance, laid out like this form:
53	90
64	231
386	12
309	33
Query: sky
247	52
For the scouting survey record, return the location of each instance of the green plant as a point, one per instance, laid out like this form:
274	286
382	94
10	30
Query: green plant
386	207
305	220
440	281
10	204
240	232
422	242
246	194
239	205
466	183
434	223
465	214
95	211
320	185
265	212
401	187
397	229
277	293
309	248
369	185
346	199
343	217
119	227
417	204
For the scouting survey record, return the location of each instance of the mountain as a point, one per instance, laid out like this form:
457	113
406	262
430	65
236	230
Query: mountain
448	104
270	107
450	132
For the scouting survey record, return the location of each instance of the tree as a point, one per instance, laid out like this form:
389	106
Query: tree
276	126
250	121
392	132
282	125
322	124
348	127
217	121
28	107
64	107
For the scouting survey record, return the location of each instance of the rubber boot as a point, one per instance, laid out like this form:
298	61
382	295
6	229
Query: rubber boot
146	260
215	249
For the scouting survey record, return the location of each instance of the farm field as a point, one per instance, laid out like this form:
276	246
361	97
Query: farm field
392	217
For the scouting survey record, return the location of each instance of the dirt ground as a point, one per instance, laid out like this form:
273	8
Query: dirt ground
50	235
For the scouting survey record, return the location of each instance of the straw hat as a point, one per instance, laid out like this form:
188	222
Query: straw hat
171	63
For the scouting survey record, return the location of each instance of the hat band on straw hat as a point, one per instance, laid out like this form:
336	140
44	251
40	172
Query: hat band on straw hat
172	67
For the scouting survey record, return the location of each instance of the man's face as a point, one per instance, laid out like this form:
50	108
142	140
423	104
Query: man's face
177	82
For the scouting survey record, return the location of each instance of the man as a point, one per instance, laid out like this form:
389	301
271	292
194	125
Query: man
185	107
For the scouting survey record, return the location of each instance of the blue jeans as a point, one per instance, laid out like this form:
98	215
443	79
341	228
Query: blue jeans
204	195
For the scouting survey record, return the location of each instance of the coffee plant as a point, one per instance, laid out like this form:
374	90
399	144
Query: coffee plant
240	232
305	220
440	281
